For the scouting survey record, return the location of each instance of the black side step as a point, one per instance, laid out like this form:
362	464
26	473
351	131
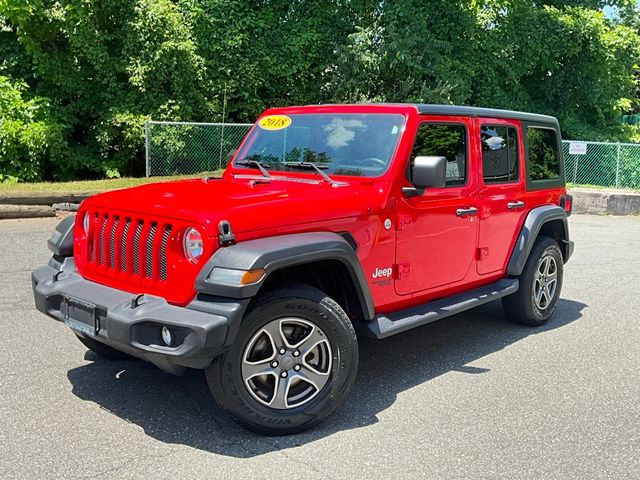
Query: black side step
383	326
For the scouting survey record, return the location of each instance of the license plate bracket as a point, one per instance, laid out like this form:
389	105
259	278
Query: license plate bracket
80	315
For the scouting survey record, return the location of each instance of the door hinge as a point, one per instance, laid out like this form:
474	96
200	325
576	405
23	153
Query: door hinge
403	221
402	270
482	253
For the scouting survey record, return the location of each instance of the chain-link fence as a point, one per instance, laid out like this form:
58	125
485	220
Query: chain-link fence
184	148
604	164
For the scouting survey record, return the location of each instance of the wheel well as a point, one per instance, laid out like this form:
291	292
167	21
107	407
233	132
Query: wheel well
330	276
555	229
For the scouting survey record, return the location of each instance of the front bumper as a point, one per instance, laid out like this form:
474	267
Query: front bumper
568	249
201	329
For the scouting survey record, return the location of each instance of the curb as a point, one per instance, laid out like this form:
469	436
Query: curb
44	199
605	202
39	206
26	211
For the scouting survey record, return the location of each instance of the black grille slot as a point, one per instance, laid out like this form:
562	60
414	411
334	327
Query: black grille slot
123	245
91	244
101	252
136	248
163	252
149	251
112	242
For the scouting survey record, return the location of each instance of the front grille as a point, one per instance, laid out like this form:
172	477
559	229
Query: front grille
119	243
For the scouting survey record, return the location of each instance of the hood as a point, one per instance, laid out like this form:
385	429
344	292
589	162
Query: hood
248	205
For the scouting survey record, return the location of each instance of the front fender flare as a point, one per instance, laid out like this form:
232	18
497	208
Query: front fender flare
61	240
275	253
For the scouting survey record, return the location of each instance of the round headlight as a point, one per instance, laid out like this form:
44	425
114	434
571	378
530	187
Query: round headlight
192	244
85	222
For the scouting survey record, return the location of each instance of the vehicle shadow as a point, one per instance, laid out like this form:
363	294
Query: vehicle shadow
180	410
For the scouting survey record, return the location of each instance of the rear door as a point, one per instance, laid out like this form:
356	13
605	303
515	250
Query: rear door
437	230
501	191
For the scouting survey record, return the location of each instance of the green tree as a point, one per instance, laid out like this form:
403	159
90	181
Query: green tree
106	66
28	136
98	70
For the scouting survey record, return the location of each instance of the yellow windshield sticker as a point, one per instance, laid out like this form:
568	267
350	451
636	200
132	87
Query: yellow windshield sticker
274	122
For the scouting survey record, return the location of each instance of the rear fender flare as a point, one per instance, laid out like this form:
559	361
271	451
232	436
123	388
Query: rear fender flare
529	232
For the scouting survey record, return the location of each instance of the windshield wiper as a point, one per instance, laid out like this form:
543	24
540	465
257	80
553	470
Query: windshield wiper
254	164
311	166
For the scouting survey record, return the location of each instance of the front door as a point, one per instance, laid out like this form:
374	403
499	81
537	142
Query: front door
437	231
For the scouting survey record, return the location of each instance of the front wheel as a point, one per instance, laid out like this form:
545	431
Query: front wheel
293	362
540	285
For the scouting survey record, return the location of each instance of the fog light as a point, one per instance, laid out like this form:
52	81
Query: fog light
167	338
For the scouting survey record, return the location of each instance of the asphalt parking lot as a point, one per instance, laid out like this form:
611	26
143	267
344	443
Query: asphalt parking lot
469	397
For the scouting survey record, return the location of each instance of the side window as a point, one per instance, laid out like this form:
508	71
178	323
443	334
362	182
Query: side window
499	153
444	140
544	158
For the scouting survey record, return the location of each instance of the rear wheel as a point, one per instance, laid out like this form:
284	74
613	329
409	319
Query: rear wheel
102	349
293	362
540	285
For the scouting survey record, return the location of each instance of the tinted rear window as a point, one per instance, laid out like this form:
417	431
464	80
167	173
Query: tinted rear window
544	158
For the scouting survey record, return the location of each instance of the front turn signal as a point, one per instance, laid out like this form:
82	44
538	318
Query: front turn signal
231	276
252	276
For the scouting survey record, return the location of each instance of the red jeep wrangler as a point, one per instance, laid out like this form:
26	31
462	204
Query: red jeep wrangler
330	220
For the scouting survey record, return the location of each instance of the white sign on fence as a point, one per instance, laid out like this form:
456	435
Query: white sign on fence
577	148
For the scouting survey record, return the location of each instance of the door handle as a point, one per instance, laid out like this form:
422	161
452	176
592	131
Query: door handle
462	212
512	205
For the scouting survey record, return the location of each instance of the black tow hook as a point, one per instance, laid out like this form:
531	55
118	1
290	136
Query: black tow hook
137	300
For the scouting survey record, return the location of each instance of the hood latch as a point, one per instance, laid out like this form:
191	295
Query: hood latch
225	235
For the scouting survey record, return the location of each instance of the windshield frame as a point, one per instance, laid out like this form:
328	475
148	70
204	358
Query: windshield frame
251	136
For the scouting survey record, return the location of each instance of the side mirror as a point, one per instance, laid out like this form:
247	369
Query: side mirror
427	172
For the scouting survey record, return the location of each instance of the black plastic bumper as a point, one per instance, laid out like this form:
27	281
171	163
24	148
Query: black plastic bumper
201	329
569	246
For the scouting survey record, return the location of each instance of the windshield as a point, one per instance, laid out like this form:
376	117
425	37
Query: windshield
358	145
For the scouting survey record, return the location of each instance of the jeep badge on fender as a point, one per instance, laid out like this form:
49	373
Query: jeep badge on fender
331	221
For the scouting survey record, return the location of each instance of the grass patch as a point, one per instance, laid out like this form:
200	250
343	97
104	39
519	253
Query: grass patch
86	185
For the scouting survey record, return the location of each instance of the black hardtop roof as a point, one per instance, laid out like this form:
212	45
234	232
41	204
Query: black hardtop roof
435	109
459	110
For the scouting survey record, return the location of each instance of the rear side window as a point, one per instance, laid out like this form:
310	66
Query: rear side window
499	153
444	140
544	158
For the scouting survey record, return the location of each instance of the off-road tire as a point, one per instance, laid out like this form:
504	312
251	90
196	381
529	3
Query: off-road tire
225	377
102	349
521	307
